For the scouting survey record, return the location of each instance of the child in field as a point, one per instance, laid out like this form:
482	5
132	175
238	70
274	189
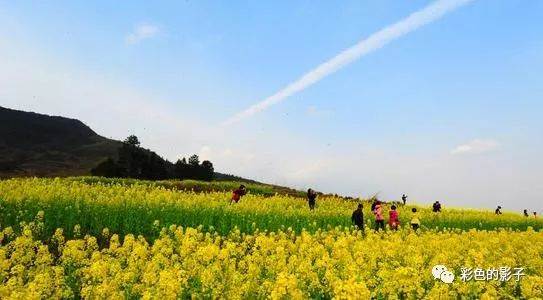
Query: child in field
379	219
526	213
415	221
238	193
393	218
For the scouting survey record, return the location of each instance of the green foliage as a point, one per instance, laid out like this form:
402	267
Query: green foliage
132	140
194	160
107	168
136	162
132	207
197	186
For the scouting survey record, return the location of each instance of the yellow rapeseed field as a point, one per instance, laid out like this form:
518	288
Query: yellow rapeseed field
67	239
133	208
337	263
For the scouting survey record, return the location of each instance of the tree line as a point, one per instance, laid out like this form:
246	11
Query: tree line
133	161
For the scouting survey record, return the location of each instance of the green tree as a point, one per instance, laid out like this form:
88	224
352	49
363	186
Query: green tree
207	170
194	160
132	140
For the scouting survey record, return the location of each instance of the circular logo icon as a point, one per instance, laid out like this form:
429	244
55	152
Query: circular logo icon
437	270
447	277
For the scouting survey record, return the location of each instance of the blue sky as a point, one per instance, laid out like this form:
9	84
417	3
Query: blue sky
449	112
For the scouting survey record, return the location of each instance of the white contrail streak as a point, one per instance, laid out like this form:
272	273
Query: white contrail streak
375	41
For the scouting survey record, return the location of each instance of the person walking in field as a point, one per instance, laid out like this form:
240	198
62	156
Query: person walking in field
436	207
358	217
404	199
311	198
238	193
526	213
393	218
498	210
415	220
535	214
379	219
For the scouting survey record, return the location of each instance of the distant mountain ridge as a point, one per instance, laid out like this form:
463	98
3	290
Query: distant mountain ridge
33	144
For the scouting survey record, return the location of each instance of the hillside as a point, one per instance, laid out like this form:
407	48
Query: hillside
222	183
34	144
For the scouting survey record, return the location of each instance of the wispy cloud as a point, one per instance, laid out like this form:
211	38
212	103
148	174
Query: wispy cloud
142	32
476	146
374	42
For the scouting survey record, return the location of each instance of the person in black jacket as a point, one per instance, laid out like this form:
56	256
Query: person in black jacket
437	207
358	217
311	198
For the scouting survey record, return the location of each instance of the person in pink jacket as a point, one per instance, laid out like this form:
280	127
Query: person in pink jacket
393	218
379	219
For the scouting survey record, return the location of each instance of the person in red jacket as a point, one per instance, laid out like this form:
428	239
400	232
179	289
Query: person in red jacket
238	193
393	218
